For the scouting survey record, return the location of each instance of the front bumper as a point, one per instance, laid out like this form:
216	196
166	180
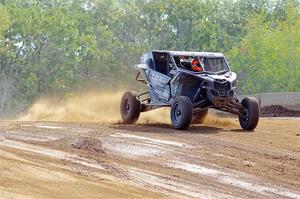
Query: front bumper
220	92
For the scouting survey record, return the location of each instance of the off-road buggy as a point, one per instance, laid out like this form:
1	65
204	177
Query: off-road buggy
189	83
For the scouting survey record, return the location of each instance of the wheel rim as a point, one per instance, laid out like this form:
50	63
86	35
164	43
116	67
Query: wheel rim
245	118
177	112
127	106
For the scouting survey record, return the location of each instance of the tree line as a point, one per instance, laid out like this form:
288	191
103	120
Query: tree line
60	46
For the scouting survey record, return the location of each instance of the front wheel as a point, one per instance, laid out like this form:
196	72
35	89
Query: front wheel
251	117
130	108
181	112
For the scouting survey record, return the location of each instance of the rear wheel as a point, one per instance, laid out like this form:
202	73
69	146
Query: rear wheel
130	108
199	118
181	112
250	120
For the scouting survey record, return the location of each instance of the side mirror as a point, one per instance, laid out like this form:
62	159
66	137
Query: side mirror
142	66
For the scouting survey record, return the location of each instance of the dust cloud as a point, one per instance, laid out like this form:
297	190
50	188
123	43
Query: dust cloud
214	120
100	107
92	106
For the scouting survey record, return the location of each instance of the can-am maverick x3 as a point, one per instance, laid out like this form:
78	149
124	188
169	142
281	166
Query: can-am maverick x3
190	83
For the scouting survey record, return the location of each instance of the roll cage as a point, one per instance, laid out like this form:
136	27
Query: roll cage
164	62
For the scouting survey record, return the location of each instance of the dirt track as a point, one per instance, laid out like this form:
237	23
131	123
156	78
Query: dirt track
214	160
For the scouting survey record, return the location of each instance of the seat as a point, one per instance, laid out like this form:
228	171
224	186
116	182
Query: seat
161	62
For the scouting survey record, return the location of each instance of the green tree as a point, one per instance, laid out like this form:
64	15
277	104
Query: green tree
267	60
58	46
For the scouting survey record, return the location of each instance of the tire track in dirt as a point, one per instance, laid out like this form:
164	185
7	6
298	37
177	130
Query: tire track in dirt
207	161
240	181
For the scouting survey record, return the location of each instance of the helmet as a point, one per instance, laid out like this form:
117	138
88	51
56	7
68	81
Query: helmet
196	65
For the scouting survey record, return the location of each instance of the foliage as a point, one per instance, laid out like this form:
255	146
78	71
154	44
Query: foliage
59	46
267	59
